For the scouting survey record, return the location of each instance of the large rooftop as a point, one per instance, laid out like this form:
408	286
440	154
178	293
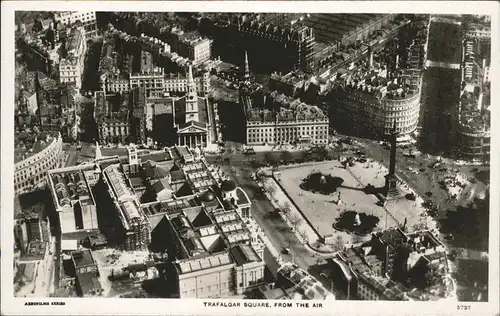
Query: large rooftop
204	263
112	107
36	250
82	258
73	41
330	27
71	185
28	143
388	289
378	82
290	110
303	282
475	97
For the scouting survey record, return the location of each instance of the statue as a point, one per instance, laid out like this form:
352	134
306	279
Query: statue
357	220
322	179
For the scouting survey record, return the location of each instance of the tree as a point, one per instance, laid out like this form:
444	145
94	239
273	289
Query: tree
303	235
269	158
286	156
433	276
270	189
295	220
286	209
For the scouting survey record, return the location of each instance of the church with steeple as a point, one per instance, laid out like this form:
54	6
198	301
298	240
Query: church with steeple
192	117
247	86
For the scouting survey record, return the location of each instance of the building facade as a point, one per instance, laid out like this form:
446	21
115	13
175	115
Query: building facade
272	43
377	269
269	130
474	116
71	68
196	48
474	132
179	83
153	81
124	123
86	18
136	230
371	103
32	169
376	288
294	123
301	284
217	280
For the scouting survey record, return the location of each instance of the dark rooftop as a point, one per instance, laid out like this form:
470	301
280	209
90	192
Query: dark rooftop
82	258
89	284
243	254
228	185
36	250
242	197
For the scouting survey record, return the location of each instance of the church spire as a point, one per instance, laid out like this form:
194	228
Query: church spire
191	85
190	75
247	68
191	97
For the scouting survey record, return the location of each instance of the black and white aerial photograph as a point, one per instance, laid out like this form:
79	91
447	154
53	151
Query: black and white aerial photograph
251	157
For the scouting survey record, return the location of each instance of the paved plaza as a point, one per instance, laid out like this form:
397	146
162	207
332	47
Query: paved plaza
322	210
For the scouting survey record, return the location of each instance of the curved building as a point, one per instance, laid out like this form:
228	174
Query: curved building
474	134
369	102
32	164
473	121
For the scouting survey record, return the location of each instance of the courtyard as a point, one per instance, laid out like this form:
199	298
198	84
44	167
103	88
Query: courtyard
108	259
322	210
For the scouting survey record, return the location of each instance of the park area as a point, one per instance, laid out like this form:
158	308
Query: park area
323	208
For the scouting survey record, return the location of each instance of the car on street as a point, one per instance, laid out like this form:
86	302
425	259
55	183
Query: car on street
249	151
285	250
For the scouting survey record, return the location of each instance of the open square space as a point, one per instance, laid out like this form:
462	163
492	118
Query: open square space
322	210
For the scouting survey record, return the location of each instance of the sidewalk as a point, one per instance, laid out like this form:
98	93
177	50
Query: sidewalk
280	201
290	148
303	231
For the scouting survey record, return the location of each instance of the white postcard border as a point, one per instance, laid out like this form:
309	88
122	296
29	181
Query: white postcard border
111	306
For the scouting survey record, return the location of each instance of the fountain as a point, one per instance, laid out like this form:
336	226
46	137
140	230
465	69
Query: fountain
324	184
357	220
360	224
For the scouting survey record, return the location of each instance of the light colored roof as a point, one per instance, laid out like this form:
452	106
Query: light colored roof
204	263
225	217
131	210
69	244
117	182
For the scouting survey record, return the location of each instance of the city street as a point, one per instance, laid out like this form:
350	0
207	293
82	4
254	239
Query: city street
263	211
278	232
426	180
